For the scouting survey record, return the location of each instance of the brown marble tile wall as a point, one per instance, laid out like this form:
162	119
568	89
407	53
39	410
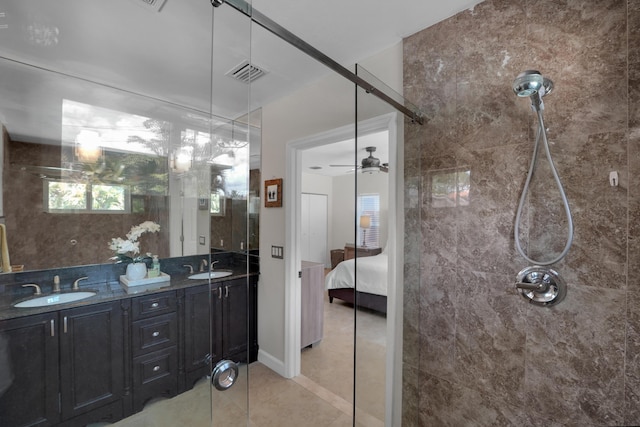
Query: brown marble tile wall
475	353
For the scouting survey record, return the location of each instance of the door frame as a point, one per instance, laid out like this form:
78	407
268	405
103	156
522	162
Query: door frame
292	295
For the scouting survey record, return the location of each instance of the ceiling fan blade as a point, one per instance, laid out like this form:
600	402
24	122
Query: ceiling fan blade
343	166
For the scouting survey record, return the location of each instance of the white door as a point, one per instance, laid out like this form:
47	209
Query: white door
314	228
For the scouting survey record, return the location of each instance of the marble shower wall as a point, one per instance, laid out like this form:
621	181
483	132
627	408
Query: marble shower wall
475	353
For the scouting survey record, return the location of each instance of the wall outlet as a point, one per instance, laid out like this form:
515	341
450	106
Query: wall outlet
202	240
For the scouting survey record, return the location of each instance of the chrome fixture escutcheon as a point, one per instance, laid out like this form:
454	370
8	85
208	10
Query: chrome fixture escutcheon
541	285
224	374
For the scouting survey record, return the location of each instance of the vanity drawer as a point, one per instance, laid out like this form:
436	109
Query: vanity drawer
154	333
154	375
153	305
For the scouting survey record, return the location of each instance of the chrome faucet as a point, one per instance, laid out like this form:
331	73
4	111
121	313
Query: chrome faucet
76	283
56	283
212	264
203	264
190	267
37	288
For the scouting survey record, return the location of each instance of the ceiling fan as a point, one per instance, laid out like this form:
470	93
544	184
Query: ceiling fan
369	164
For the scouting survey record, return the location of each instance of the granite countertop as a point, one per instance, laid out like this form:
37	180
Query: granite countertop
111	291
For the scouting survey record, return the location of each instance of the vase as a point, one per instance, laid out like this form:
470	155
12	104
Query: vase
136	271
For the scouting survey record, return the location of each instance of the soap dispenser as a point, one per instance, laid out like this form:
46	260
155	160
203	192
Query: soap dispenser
155	267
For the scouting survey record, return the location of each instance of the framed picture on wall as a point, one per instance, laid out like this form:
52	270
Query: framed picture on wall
273	193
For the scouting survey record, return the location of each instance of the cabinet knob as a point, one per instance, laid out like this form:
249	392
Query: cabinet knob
155	305
155	334
156	368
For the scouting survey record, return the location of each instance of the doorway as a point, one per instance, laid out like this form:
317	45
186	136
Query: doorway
296	151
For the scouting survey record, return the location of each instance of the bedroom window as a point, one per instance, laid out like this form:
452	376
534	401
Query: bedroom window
369	205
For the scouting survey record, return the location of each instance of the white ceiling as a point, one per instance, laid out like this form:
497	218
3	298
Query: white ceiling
167	55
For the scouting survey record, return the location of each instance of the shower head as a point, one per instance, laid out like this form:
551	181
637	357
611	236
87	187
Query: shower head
531	83
528	83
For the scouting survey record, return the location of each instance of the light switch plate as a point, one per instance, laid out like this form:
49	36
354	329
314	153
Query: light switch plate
277	252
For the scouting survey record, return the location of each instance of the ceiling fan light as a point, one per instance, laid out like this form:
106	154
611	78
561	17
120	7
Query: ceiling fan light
370	170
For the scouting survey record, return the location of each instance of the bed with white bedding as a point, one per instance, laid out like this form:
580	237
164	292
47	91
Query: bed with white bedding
371	285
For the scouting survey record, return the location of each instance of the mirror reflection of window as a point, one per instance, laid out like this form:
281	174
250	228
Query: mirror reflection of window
65	196
217	205
108	197
72	197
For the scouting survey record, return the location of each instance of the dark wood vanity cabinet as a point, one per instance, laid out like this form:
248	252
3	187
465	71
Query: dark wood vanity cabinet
154	347
235	325
237	317
105	361
32	346
91	361
225	330
197	334
67	367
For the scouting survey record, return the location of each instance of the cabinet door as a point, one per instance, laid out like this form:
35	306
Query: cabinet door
312	303
217	335
197	333
91	357
235	320
32	347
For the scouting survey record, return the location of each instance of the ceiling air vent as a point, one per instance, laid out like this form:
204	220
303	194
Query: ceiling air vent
151	5
246	72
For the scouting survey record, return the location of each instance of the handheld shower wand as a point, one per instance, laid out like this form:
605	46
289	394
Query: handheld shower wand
531	83
551	290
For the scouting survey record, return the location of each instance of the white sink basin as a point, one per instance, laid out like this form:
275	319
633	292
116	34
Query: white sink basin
211	274
54	299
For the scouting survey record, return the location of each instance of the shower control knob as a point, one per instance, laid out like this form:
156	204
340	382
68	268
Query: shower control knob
541	286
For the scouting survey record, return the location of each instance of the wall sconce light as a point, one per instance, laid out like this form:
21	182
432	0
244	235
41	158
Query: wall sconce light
88	149
181	160
365	222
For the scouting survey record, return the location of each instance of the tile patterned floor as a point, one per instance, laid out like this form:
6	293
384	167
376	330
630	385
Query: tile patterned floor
320	397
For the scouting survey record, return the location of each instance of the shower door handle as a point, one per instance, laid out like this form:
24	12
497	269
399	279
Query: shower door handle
224	374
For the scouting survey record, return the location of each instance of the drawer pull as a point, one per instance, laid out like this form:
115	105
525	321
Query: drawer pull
156	368
155	334
155	305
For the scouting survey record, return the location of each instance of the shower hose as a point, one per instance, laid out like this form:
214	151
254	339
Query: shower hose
516	233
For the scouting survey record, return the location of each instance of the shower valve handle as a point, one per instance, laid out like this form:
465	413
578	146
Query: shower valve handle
539	287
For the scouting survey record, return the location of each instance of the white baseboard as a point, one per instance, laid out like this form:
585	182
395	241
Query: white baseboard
271	362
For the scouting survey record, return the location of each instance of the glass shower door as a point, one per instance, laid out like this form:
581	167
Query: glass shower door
378	140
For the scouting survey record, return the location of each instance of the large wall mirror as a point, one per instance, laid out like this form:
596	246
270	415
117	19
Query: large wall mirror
83	163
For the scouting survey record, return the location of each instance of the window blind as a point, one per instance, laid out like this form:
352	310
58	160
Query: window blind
369	204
